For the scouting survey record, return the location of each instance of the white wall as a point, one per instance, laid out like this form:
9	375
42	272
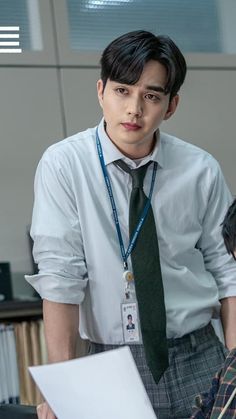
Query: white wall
30	121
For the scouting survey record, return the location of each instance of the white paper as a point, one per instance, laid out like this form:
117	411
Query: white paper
102	386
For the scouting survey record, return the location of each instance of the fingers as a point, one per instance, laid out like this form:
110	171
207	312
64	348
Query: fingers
45	412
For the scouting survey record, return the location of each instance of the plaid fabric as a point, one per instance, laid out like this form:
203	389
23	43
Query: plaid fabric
210	405
193	361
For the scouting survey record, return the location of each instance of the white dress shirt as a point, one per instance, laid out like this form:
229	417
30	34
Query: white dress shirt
76	244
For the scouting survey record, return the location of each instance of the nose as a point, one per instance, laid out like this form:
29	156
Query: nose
134	106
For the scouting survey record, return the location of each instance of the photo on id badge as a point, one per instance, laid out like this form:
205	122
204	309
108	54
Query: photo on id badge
130	322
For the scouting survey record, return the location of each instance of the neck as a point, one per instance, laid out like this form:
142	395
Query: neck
135	151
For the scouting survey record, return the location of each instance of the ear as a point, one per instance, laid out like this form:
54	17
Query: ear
100	92
172	107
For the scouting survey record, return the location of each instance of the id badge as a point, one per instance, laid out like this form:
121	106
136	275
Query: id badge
130	322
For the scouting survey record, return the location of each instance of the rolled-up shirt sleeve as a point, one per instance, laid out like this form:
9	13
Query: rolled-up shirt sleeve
56	232
216	258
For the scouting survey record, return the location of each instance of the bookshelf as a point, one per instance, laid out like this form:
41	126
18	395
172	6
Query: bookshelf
18	310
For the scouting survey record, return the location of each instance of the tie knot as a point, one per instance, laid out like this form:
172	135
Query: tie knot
137	175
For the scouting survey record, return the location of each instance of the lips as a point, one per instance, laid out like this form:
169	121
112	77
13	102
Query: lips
131	126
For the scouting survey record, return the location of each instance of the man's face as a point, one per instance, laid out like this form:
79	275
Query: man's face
134	112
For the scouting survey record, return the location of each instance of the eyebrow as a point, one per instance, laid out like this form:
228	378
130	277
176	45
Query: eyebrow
156	88
153	87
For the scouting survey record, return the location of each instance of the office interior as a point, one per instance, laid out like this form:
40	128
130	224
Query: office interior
48	92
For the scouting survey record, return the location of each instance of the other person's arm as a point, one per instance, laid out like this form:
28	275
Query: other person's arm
228	318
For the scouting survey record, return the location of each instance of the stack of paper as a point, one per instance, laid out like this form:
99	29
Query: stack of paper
101	386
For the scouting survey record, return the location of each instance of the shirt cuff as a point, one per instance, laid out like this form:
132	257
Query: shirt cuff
58	289
227	292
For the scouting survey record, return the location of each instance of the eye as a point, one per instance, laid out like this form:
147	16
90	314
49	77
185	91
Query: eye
152	97
121	90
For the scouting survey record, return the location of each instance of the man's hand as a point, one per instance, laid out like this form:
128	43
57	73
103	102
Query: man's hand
45	412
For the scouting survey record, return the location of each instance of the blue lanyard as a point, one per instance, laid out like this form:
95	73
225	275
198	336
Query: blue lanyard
125	254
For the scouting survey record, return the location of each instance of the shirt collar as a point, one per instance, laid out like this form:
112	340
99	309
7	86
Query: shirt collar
111	153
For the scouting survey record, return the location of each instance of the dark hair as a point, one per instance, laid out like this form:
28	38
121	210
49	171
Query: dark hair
129	316
124	58
229	229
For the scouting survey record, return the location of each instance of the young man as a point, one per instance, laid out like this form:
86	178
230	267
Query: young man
80	229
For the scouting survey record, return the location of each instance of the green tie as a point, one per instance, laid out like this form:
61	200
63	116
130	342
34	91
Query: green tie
147	276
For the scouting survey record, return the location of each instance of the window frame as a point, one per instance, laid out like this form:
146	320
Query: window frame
69	57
